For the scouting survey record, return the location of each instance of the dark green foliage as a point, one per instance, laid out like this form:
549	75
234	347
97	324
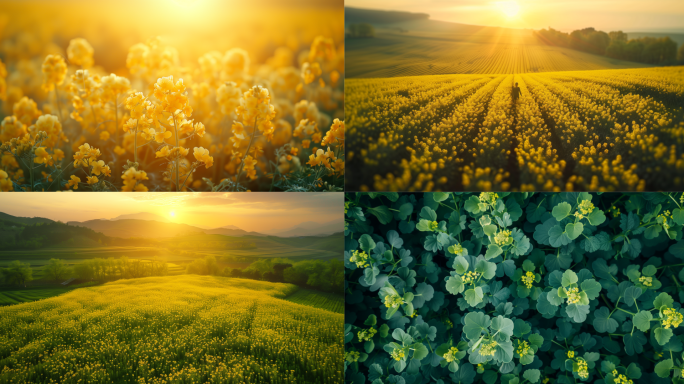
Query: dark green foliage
514	287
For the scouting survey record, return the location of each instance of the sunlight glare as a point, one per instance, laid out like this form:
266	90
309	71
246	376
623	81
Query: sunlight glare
173	214
509	8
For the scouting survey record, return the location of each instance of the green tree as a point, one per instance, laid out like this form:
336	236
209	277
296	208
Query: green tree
56	269
17	273
680	54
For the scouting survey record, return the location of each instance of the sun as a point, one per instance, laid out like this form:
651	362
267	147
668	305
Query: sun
172	213
509	8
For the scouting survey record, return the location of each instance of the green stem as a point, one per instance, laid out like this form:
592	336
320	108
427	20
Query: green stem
242	165
175	129
616	307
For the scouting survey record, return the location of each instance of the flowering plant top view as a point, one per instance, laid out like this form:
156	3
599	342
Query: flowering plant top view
223	122
514	288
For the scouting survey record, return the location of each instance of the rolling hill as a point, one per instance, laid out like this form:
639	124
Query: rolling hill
311	228
23	220
189	328
128	228
405	46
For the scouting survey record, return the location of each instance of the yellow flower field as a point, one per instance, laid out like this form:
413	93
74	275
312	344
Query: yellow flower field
185	95
607	130
189	329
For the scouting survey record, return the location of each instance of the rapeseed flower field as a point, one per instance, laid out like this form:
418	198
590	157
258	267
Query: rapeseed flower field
189	329
606	130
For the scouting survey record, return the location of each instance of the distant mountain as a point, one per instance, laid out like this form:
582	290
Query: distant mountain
231	227
141	216
311	228
129	228
24	220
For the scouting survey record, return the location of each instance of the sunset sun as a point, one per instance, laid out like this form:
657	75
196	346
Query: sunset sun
172	213
509	8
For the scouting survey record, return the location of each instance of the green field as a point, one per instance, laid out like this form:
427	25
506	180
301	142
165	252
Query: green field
328	301
428	47
174	329
23	295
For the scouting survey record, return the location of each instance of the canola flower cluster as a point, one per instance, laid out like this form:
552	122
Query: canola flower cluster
501	238
360	259
367	334
618	129
573	295
470	277
488	349
672	318
188	328
582	368
620	378
528	279
398	354
226	124
646	280
450	355
523	348
393	301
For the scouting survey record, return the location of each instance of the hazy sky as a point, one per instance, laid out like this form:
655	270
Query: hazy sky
249	211
608	15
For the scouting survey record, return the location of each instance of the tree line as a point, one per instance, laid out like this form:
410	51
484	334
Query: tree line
616	45
19	274
326	276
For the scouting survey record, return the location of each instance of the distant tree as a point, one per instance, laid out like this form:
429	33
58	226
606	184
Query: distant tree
56	269
17	273
589	40
680	54
205	266
618	36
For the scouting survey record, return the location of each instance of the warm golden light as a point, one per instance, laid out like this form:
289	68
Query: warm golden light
173	214
509	8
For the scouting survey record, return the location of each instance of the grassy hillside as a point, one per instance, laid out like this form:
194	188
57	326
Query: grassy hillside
428	47
172	329
328	301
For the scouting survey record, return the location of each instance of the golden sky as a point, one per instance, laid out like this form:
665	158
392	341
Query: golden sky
607	15
259	211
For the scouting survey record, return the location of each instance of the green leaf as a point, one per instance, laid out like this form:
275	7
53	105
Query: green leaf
596	217
460	265
678	216
649	270
577	312
561	211
574	230
472	205
528	265
569	278
633	371
592	288
455	285
489	229
371	320
677	249
420	351
405	210
382	213
383	331
634	342
440	196
503	325
423	226
603	322
487	269
493	251
532	375
366	243
428	214
474	296
368	346
558	237
475	323
642	320
663	299
662	335
536	340
663	368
